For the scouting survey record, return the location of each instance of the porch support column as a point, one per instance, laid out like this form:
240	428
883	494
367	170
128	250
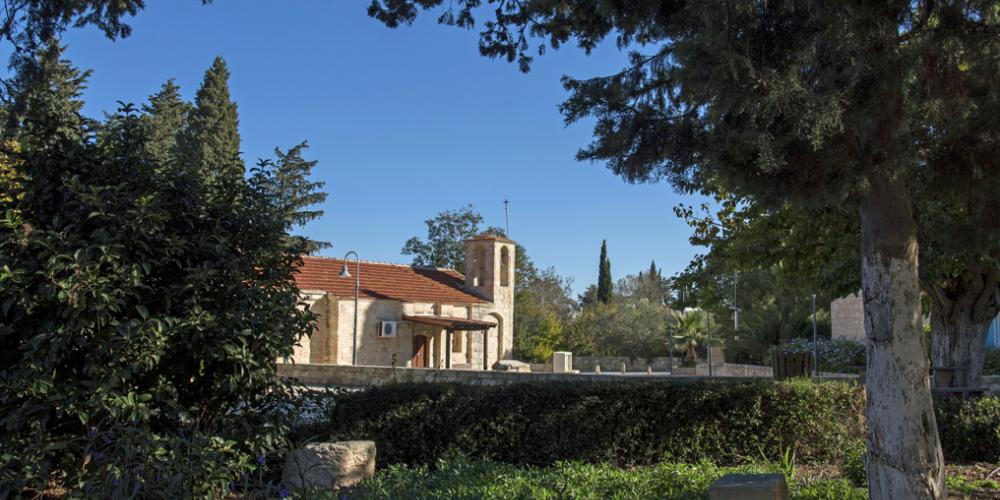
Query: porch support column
447	354
486	349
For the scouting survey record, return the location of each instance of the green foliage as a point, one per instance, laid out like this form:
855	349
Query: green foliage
853	464
446	235
835	355
619	329
166	118
970	428
692	329
295	194
623	424
458	477
958	485
648	286
604	287
537	328
213	137
142	308
991	365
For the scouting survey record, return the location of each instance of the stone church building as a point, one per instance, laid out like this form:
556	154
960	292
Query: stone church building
411	316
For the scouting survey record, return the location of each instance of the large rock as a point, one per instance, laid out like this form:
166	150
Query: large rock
511	365
749	487
329	466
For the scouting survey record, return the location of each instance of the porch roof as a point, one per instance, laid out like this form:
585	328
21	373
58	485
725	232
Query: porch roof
448	323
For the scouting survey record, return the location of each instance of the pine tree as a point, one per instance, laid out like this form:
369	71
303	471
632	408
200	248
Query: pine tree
604	286
213	138
47	92
294	192
165	119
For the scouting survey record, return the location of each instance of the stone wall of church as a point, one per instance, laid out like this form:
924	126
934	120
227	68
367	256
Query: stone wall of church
847	318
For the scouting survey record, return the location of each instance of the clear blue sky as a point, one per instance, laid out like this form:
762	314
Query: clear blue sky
405	123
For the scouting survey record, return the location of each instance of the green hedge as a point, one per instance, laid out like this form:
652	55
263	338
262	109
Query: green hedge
622	424
970	429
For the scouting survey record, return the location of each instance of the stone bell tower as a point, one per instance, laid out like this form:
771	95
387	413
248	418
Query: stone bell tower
489	272
489	266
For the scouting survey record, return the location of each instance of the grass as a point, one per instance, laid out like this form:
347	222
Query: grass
461	478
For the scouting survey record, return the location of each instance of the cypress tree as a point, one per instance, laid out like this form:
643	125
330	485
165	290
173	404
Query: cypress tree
604	275
213	138
165	119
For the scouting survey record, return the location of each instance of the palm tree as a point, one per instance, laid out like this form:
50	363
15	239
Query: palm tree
691	327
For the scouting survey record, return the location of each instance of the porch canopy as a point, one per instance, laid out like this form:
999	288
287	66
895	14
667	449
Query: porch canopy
452	325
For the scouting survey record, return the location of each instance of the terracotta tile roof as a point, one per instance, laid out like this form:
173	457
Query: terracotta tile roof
386	281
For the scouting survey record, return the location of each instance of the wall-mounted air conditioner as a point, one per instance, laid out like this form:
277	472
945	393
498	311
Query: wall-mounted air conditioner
388	328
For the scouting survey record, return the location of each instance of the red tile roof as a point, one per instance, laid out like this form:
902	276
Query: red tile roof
386	281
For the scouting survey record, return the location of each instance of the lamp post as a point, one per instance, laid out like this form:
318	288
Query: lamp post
708	332
670	337
344	273
736	303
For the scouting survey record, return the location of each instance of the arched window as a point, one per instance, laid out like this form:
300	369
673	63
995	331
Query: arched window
504	267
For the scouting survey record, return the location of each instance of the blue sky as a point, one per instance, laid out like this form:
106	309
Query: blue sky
405	123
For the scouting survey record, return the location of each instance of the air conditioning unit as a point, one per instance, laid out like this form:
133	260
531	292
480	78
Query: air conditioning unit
388	328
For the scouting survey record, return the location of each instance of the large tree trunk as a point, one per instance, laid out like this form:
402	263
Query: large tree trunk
962	308
904	455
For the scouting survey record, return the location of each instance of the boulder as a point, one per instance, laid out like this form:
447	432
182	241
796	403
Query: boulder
749	487
510	365
329	466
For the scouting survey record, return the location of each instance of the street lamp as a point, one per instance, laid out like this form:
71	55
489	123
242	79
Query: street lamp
344	273
670	336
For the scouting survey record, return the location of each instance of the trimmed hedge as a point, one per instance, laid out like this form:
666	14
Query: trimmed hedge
622	424
970	429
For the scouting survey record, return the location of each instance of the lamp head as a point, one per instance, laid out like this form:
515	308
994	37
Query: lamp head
344	273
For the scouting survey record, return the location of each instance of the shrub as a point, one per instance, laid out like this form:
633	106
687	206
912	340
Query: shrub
970	429
835	355
142	308
623	424
853	465
992	363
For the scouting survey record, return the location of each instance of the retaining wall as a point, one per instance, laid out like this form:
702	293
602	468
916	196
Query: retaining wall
360	376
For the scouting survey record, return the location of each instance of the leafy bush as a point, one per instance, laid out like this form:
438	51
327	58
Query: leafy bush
835	355
970	428
853	465
638	330
992	364
142	308
623	424
461	478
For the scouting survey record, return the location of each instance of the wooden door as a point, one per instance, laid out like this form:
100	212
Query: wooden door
419	352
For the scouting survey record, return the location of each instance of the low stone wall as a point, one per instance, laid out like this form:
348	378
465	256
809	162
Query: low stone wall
614	363
734	370
993	383
361	376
